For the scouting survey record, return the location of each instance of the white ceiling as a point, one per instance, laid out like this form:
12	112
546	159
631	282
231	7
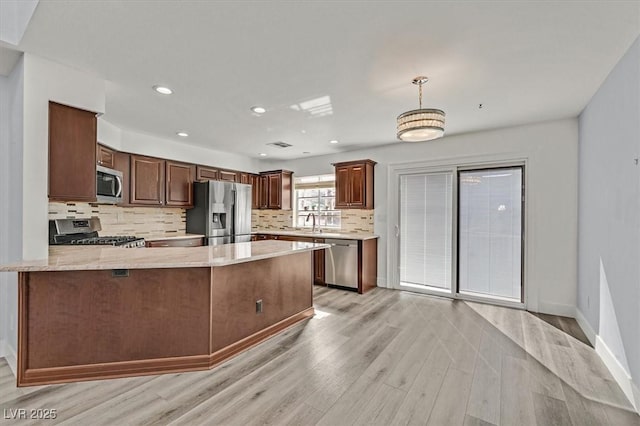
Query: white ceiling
524	61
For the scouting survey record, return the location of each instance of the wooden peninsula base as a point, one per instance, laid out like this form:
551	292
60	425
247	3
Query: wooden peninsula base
95	324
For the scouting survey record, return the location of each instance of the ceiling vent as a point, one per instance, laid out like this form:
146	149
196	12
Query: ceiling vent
280	144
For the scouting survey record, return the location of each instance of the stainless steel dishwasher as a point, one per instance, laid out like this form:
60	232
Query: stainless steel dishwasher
341	263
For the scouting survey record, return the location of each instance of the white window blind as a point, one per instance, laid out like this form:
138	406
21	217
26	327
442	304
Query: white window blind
425	229
490	232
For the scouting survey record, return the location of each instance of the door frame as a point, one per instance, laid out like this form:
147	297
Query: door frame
454	165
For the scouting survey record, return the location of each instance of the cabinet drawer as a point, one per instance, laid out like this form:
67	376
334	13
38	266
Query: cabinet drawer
184	242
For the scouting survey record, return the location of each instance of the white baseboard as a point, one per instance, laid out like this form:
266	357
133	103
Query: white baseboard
9	354
381	282
586	327
619	373
556	309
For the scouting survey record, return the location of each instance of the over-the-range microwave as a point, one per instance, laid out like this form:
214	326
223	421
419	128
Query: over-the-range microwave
108	185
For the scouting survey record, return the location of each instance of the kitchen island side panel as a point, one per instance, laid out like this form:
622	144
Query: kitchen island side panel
282	285
91	317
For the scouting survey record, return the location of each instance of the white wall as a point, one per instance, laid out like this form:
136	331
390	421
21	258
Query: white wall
609	215
138	143
550	149
11	126
45	80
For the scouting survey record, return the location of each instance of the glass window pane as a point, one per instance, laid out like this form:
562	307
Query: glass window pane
490	232
425	229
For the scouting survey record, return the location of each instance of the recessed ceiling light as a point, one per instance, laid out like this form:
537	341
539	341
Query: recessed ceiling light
333	141
182	134
262	154
163	90
258	109
306	152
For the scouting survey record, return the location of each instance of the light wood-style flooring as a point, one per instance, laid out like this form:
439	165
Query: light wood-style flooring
384	358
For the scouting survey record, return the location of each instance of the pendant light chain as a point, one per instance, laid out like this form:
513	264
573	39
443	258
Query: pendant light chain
420	93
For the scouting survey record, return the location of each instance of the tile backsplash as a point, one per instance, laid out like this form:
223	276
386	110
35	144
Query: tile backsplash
115	220
352	221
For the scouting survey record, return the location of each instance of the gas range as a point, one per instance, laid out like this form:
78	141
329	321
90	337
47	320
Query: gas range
85	232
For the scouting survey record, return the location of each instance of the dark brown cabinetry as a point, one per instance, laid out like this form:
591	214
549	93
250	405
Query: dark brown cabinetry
276	189
207	173
172	242
147	180
158	182
72	153
122	163
228	176
243	177
354	184
256	191
105	156
179	185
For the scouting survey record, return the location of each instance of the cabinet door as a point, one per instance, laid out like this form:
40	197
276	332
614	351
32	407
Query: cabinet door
356	186
255	191
264	192
179	185
105	156
343	186
147	180
243	178
228	176
318	267
122	163
72	153
274	191
207	173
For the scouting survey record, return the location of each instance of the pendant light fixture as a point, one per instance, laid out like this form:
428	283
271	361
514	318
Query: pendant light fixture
420	125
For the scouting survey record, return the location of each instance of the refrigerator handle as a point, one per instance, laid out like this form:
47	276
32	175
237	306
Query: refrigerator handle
232	228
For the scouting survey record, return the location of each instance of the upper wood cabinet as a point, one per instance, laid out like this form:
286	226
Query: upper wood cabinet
179	185
72	153
228	176
276	189
354	184
204	173
122	163
147	180
256	191
243	177
158	182
105	156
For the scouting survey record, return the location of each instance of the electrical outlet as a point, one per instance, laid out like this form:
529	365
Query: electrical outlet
259	306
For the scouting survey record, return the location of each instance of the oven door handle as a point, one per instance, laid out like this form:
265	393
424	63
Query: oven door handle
119	192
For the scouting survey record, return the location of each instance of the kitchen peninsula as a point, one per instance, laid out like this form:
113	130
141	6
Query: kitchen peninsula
100	312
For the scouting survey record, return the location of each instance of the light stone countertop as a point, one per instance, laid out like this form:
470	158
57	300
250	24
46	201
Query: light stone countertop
170	237
72	258
337	235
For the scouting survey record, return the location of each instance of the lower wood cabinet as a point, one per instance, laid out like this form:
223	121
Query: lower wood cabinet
173	242
367	259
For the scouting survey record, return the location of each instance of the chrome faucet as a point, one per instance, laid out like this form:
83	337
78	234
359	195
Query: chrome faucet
313	216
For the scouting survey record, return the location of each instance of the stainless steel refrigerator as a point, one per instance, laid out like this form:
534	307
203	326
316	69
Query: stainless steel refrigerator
221	212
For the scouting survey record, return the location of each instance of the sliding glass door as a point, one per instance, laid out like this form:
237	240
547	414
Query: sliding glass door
460	232
425	230
490	232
